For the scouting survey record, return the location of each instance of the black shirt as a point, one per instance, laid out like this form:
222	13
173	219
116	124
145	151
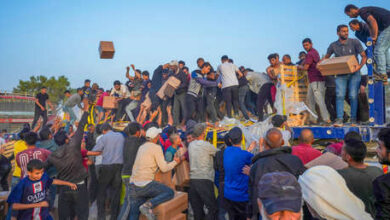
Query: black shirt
130	149
242	81
359	181
381	15
41	99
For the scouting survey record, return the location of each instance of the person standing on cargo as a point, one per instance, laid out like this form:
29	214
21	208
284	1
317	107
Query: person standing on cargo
345	46
40	106
227	72
316	90
378	20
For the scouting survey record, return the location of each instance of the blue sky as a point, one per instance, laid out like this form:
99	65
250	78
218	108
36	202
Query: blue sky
55	38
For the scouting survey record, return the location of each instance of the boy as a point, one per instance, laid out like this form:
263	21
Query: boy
29	198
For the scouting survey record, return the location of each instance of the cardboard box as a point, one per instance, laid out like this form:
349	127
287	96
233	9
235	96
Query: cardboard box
182	174
109	102
106	49
171	209
180	216
168	88
338	65
165	178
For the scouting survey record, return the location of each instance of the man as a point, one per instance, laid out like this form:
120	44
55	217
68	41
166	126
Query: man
121	93
361	29
40	107
345	46
287	60
72	101
182	64
200	62
235	181
305	150
274	157
279	197
194	98
301	57
227	72
378	19
316	90
110	146
265	91
210	94
359	176
179	99
134	86
243	89
145	193
201	155
68	162
381	184
157	82
132	143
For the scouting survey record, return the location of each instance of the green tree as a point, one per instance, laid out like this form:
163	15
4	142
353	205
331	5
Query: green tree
55	87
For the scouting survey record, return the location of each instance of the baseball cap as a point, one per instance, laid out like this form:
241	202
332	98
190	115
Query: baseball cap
278	120
280	191
235	134
153	132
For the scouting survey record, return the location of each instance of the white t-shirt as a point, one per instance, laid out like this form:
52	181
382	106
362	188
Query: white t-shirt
286	137
227	72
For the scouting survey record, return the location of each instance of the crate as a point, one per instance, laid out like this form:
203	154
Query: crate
106	50
297	80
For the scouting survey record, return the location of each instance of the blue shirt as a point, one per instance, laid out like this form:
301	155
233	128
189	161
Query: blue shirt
30	192
111	146
170	153
236	183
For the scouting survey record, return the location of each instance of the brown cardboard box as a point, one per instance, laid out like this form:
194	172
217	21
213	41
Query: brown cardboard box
171	209
165	178
106	49
109	102
180	216
182	174
168	88
338	65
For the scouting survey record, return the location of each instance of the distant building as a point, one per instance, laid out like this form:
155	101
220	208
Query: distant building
15	110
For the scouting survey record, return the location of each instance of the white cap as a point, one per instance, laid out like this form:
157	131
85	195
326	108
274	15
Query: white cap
174	63
152	132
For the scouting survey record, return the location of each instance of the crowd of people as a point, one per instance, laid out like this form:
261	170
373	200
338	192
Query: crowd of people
84	163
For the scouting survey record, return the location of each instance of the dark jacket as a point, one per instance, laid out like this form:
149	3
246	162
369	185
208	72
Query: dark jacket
157	79
218	167
273	160
382	194
182	76
67	158
130	149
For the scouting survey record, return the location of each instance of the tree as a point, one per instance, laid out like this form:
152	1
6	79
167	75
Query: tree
55	87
